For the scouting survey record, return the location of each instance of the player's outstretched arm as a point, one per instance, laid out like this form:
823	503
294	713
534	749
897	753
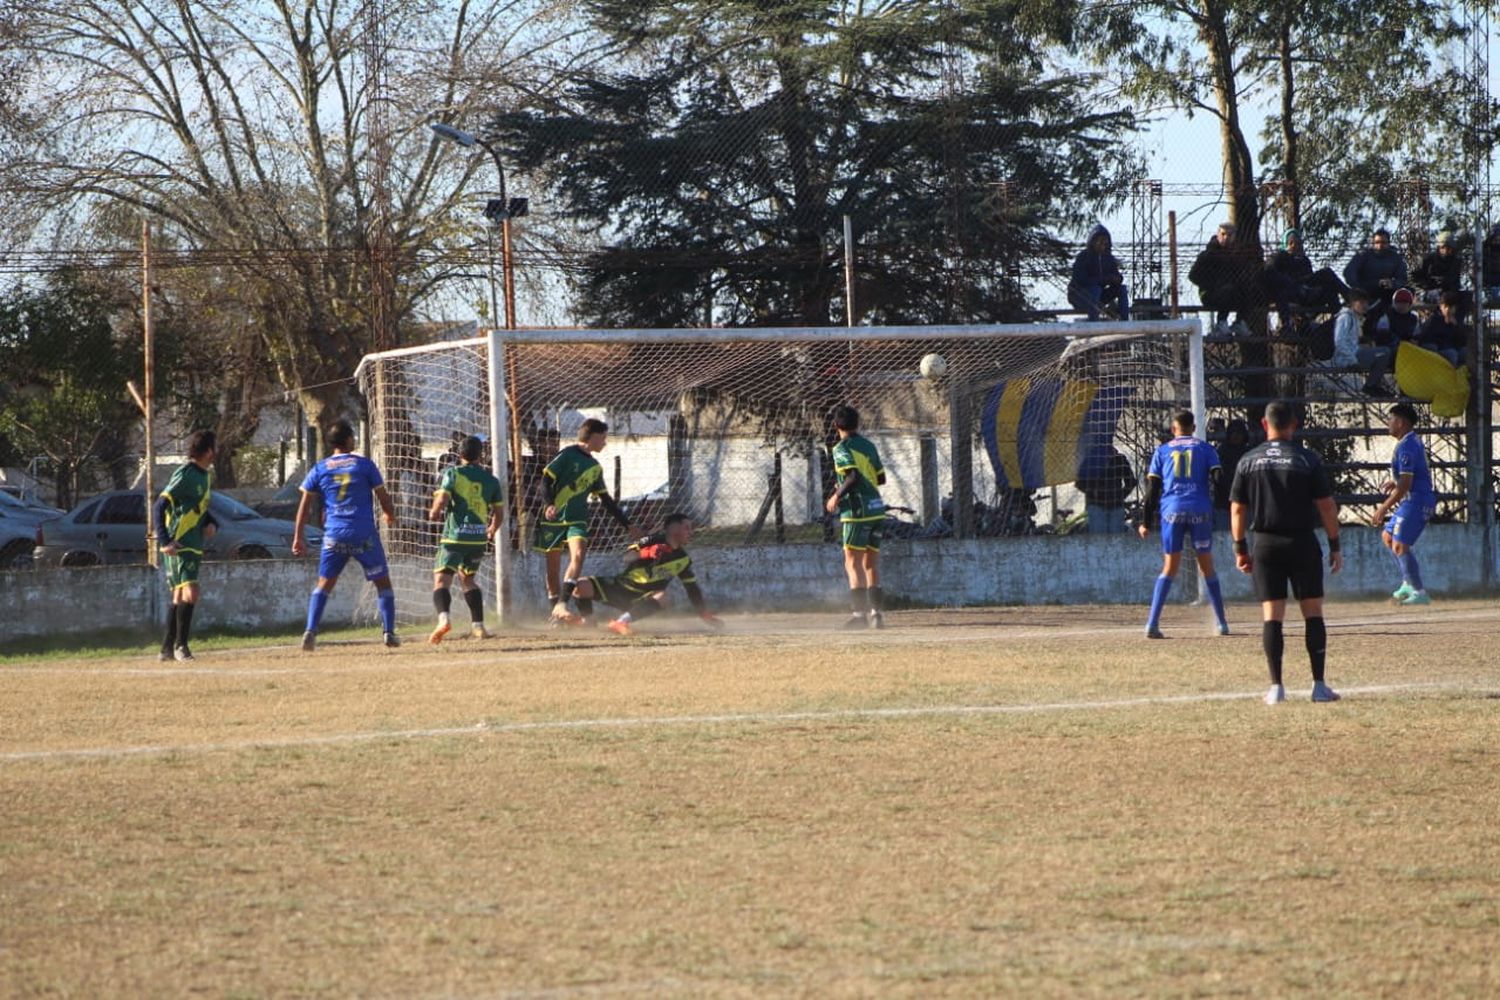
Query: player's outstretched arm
1399	491
695	595
1328	510
1239	526
299	545
383	497
616	513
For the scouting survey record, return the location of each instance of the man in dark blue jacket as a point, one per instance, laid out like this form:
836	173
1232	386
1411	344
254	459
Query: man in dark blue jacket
1097	282
1379	270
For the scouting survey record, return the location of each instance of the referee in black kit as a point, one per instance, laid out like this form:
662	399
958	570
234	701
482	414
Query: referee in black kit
1280	492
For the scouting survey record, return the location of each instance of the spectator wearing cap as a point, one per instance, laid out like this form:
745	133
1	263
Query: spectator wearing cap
1441	271
1228	273
1397	323
1348	352
1294	284
1442	333
1378	270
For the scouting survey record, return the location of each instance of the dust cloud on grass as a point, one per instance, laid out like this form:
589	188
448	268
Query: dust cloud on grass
1170	847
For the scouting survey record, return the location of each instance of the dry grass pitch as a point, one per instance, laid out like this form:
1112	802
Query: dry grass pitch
1031	802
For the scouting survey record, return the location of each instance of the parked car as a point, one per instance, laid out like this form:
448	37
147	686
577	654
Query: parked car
111	528
18	521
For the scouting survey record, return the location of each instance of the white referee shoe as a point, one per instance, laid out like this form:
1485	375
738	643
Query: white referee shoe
1276	695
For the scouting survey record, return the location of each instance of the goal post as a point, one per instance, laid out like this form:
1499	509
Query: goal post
732	426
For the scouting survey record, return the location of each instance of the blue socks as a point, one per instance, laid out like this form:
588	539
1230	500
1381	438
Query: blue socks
315	605
1410	570
1158	598
387	601
1216	597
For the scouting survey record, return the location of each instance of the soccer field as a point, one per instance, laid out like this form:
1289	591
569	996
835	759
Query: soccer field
1020	801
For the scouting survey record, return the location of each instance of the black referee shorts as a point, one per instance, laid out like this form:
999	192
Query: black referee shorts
1279	560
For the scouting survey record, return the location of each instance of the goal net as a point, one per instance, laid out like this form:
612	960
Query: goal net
983	430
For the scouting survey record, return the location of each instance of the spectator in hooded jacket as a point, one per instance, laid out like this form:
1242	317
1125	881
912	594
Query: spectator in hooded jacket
1378	270
1397	323
1295	285
1442	333
1097	282
1229	277
1348	352
1441	271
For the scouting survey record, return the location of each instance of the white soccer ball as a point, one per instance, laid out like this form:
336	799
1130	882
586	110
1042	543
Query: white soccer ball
933	366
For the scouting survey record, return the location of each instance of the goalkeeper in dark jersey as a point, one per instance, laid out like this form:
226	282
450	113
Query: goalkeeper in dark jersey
861	517
467	501
569	480
641	589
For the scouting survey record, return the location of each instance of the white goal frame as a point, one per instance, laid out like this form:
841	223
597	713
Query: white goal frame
501	428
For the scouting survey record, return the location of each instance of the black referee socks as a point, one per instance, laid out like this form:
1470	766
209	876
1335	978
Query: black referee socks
1273	643
1317	647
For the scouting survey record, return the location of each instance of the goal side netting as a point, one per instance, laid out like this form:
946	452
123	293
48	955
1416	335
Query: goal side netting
983	430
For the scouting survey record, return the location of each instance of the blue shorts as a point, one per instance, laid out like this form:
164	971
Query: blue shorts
367	551
1200	527
1407	521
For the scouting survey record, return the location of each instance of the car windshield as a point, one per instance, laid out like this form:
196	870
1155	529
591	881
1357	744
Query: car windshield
224	505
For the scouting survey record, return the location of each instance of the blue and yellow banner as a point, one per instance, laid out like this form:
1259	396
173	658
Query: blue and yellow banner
1044	431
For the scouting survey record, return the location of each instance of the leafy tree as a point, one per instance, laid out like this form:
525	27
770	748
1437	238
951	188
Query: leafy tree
1366	95
62	394
715	162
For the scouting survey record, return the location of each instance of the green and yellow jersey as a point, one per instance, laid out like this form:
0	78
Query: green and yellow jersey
654	564
861	502
569	479
187	494
473	493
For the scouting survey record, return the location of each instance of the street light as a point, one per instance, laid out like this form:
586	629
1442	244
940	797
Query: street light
497	210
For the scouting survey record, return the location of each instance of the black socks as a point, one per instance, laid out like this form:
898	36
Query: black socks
169	643
184	622
442	600
1317	647
1271	640
475	600
859	600
877	599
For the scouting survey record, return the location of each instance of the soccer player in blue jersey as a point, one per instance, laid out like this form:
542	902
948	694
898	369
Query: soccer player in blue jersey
349	486
1410	502
1180	494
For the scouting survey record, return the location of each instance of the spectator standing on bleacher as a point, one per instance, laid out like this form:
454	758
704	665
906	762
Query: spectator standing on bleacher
1442	333
1236	442
1294	284
1228	276
1106	483
1097	281
1378	270
1397	323
1348	352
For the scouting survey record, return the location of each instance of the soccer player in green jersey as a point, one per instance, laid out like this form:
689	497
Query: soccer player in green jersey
471	497
180	516
569	480
641	589
861	516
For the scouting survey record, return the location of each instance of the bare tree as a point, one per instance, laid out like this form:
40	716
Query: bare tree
283	142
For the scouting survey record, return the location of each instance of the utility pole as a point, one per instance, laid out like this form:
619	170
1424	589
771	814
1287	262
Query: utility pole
150	378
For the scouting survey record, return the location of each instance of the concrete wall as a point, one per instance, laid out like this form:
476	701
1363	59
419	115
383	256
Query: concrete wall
1041	569
248	595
